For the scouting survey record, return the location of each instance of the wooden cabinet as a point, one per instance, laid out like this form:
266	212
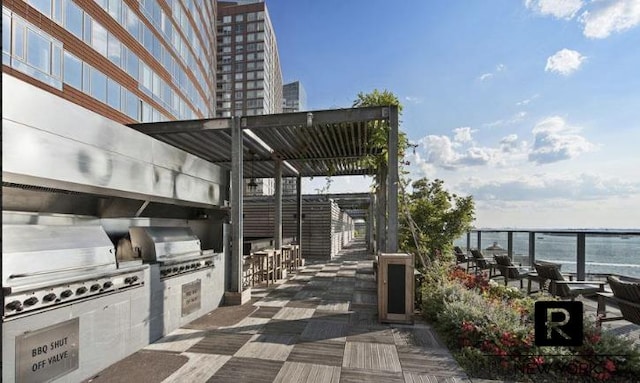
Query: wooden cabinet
395	287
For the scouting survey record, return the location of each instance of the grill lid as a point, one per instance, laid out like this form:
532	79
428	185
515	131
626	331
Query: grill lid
163	244
42	253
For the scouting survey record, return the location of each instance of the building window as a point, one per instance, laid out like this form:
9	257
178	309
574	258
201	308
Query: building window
43	6
226	19
239	38
239	76
239	57
6	37
113	94
73	18
98	85
239	18
132	63
72	70
114	49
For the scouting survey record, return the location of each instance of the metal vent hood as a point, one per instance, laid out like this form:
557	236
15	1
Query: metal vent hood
50	142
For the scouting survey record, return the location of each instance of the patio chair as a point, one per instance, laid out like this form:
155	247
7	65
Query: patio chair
562	288
480	263
461	256
509	271
626	295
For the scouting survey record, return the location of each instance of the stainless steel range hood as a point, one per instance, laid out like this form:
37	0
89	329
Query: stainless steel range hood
66	147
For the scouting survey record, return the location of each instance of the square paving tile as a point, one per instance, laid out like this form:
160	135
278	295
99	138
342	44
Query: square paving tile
350	375
306	372
334	305
305	304
365	298
412	377
265	312
221	343
178	340
371	356
267	346
370	334
199	368
421	361
318	352
294	313
247	370
343	317
249	325
288	327
325	330
424	337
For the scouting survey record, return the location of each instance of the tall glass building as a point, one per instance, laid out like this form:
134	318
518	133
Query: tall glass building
294	97
128	60
249	74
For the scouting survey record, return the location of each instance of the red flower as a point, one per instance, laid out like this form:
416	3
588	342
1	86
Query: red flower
538	360
609	365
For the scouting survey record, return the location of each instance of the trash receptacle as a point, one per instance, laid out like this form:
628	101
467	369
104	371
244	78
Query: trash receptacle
395	287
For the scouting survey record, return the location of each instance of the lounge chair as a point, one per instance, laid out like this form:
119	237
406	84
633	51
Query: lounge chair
481	263
461	256
626	295
509	271
562	288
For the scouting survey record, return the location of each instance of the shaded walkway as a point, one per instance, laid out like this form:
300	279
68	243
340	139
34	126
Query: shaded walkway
318	326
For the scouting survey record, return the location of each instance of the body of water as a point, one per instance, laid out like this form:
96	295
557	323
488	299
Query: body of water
605	254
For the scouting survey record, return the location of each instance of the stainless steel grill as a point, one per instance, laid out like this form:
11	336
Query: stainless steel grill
182	276
175	249
47	266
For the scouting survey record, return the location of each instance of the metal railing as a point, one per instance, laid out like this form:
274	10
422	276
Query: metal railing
609	250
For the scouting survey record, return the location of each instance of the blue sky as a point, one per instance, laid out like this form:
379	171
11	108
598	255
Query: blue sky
531	106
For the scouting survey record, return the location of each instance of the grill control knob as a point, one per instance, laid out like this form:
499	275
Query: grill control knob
134	279
15	305
181	268
95	287
49	297
207	263
175	269
31	301
66	294
81	290
107	284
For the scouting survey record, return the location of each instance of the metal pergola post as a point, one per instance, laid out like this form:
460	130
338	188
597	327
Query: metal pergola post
392	182
237	188
277	230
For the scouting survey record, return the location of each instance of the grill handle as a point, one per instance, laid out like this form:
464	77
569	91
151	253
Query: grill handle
24	275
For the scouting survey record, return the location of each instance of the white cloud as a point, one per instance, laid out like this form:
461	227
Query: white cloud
463	134
485	76
614	16
554	141
413	100
561	9
527	101
442	152
490	75
516	118
540	187
564	62
509	144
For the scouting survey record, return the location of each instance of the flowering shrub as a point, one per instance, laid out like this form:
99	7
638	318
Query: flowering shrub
489	328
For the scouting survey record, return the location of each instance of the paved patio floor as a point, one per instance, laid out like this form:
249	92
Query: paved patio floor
321	325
